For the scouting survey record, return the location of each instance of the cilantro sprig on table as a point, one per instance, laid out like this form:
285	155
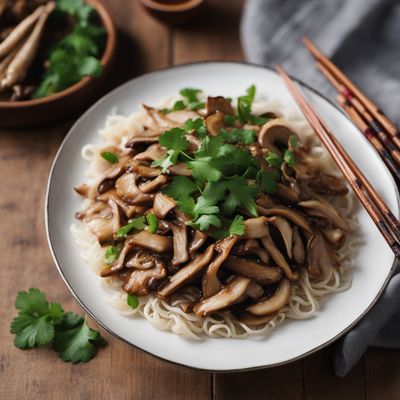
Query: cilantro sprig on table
77	54
42	323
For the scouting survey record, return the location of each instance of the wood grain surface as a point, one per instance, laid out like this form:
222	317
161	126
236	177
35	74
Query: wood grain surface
119	372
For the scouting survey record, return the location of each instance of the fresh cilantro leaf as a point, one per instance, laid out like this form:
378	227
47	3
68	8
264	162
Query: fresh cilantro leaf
289	158
237	226
196	105
186	205
205	221
244	104
230	119
152	222
77	8
34	326
178	105
135	223
196	125
171	158
203	169
132	301
205	205
190	94
273	159
174	139
237	135
241	194
110	157
70	320
90	66
112	253
78	344
235	161
294	141
267	182
181	186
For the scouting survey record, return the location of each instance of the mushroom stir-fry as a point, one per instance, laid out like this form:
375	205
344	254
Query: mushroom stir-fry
216	201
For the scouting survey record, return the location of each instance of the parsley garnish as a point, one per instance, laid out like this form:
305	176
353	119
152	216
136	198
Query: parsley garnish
274	160
152	222
244	108
196	125
294	141
135	223
289	158
237	135
110	157
180	187
230	119
237	226
132	301
40	322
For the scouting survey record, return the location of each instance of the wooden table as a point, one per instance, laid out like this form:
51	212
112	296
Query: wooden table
120	372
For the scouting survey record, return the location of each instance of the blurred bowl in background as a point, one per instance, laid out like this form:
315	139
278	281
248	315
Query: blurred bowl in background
173	12
35	112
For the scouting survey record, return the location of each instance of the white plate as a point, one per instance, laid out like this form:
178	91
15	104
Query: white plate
292	340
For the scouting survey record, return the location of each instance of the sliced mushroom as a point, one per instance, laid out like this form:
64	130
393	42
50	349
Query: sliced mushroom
275	303
151	241
140	279
142	259
194	142
152	153
210	282
264	200
219	103
299	253
286	232
255	228
249	247
180	169
278	257
82	189
290	214
214	123
153	185
327	184
116	214
181	116
324	211
162	121
321	258
108	182
286	194
146	172
120	262
198	240
262	274
274	132
101	221
336	237
254	290
227	296
251	320
139	141
127	189
163	204
180	240
187	274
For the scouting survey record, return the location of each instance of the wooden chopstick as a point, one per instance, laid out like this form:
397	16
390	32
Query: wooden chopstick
386	222
373	124
366	130
369	105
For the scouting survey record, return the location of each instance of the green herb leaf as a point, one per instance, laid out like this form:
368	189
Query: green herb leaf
289	158
170	158
294	141
110	157
205	221
267	182
152	222
180	187
196	125
196	105
77	8
78	344
237	226
203	169
112	253
174	139
244	108
135	223
274	160
190	94
133	301
237	135
241	194
230	119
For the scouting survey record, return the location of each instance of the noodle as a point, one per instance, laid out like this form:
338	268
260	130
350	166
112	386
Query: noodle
307	295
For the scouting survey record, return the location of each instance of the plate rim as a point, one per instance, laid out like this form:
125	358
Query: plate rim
125	341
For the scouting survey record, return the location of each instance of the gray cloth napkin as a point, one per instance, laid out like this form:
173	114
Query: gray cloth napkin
363	38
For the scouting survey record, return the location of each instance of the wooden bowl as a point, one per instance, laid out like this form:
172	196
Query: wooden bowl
73	99
173	12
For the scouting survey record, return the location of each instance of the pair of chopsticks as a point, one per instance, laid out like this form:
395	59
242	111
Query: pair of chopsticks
373	203
371	121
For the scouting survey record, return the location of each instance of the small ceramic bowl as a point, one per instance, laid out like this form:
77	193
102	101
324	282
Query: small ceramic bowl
173	12
35	112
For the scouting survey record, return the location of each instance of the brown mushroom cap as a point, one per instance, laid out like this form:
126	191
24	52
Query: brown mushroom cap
218	104
255	228
214	123
274	303
127	189
274	131
262	274
163	204
180	240
286	232
154	184
198	240
151	241
152	153
187	273
227	296
299	253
